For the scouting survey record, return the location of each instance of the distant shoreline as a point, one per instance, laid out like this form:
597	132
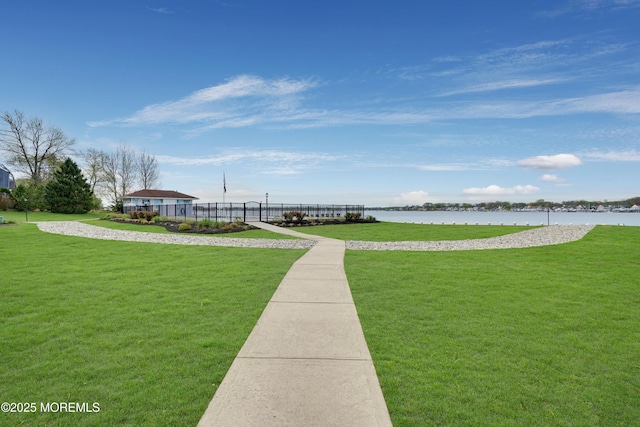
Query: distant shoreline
531	218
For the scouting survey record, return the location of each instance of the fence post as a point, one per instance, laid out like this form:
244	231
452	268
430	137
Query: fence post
196	208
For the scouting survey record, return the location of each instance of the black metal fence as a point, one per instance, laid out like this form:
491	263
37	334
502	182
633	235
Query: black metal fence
248	211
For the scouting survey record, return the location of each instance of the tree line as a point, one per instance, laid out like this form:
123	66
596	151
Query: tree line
43	153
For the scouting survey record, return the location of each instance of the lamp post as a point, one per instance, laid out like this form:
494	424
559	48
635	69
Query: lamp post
266	198
26	208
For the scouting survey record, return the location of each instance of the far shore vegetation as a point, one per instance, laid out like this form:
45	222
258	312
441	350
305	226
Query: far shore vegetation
538	205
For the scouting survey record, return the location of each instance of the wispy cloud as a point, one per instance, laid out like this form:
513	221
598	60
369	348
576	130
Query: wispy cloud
588	7
558	161
445	167
272	162
162	10
221	104
498	191
614	156
502	85
245	101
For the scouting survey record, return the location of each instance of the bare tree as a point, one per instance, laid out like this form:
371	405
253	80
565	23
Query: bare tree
94	167
126	169
118	173
109	177
30	146
147	170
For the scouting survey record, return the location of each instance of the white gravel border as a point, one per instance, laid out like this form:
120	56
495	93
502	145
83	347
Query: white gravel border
80	229
542	236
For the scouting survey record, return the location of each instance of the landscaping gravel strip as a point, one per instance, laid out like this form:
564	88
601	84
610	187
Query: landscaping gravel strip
73	228
542	236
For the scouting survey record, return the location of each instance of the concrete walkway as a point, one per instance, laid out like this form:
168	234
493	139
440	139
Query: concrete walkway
306	362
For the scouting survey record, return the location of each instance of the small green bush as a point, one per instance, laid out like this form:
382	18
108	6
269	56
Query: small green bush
184	227
146	215
206	222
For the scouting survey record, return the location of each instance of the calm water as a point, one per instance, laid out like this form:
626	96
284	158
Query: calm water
509	218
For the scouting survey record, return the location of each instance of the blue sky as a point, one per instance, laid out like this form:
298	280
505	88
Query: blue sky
369	102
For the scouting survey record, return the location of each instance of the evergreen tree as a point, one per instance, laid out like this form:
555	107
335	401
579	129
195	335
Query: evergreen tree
69	192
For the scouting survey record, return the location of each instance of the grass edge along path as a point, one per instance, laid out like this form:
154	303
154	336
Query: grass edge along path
396	231
536	336
148	331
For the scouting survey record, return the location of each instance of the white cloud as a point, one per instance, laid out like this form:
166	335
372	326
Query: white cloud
501	85
266	156
413	197
622	102
551	178
221	104
444	167
615	156
162	10
497	191
559	161
246	101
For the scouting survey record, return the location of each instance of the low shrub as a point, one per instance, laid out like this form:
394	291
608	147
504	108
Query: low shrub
294	216
352	216
184	227
146	215
207	223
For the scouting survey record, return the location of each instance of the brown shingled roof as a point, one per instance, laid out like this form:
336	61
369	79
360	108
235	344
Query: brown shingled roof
159	194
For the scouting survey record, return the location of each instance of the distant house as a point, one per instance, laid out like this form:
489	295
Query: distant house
149	198
6	178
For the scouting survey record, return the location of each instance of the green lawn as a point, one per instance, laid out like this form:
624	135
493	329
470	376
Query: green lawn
395	232
538	336
20	217
148	331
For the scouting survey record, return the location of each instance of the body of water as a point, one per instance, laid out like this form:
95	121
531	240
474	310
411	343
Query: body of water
508	218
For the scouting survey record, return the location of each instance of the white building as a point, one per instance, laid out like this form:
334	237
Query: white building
150	198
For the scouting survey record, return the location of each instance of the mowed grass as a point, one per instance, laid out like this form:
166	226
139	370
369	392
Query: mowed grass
396	232
20	217
148	331
537	336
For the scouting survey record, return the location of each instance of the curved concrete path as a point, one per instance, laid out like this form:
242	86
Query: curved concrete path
306	362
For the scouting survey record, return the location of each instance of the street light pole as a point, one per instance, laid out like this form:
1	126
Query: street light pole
26	208
267	205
